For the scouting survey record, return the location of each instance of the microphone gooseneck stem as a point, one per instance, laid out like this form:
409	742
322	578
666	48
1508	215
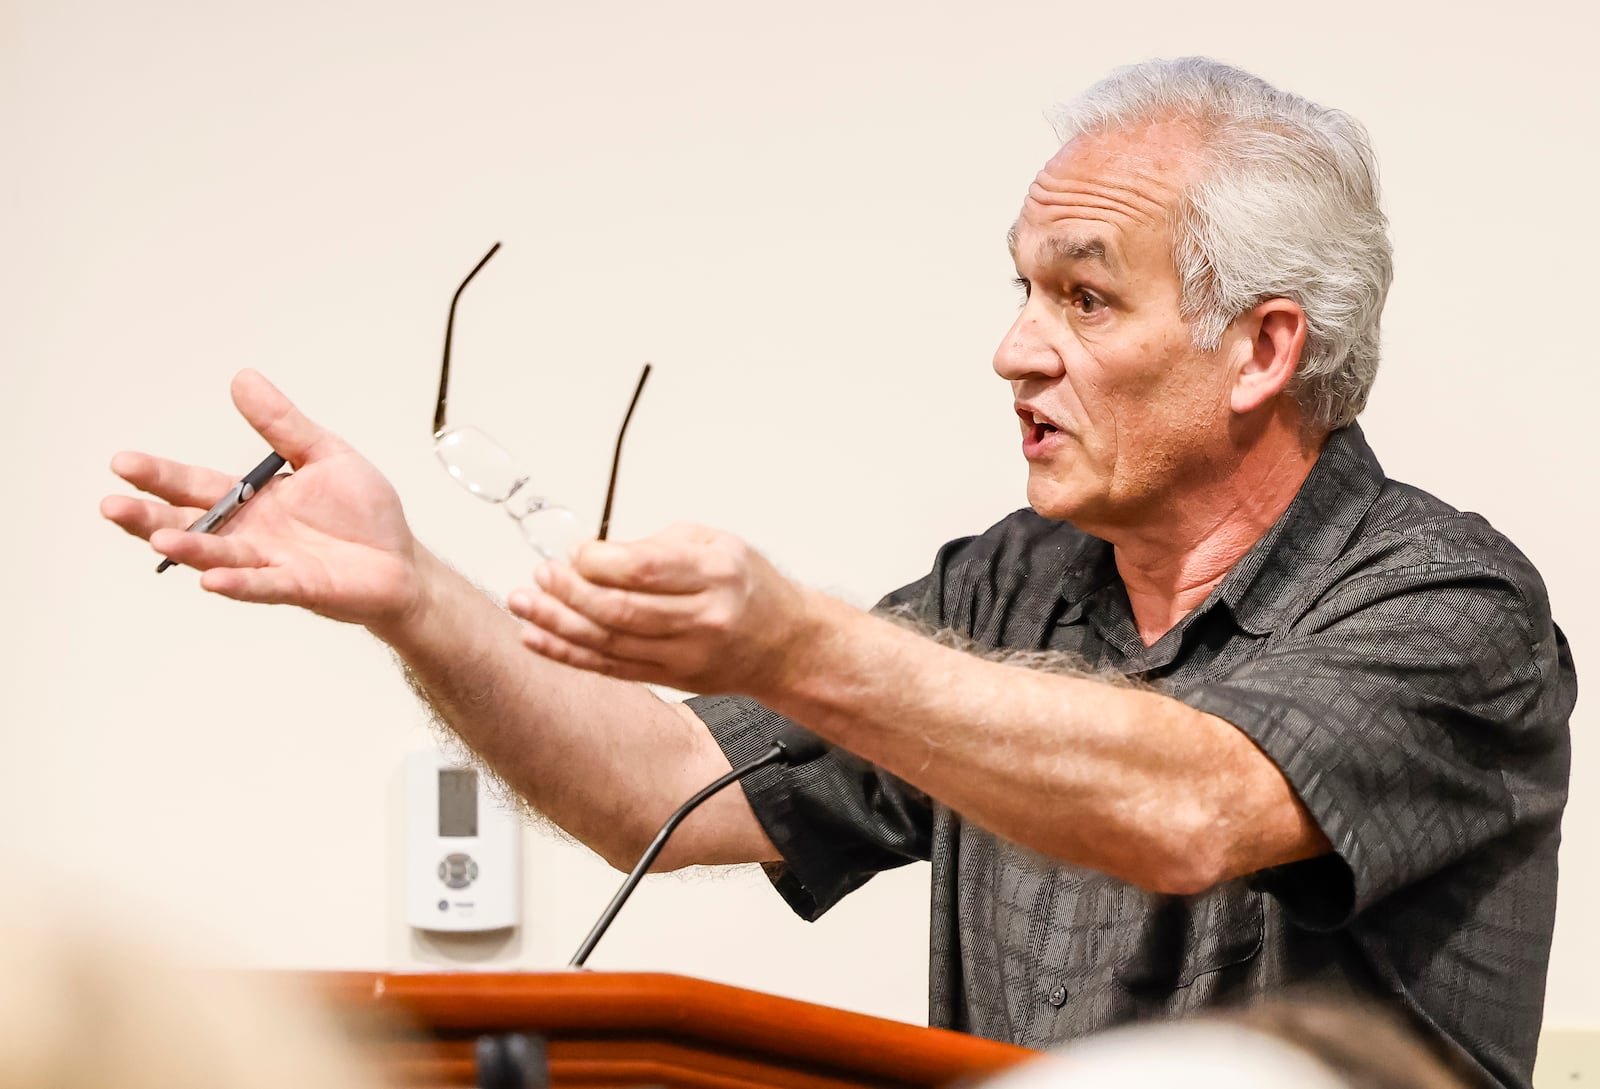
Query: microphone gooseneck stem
773	755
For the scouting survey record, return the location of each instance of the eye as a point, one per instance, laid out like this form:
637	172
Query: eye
1022	285
1086	303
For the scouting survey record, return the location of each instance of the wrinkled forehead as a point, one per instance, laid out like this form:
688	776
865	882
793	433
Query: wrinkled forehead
1107	196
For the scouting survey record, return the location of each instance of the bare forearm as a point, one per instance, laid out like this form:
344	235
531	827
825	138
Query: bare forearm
604	759
1129	782
1126	781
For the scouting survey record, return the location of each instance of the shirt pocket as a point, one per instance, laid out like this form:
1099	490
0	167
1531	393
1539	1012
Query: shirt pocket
1171	941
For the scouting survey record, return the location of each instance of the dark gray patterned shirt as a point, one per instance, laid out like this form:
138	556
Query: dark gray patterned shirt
1394	657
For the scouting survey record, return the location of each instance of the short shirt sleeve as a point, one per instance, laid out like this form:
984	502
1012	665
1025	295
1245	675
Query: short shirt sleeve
836	820
1420	713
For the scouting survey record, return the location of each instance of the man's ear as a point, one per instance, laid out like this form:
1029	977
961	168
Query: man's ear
1274	332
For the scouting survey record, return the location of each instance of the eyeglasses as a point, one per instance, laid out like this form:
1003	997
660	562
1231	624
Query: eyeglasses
485	469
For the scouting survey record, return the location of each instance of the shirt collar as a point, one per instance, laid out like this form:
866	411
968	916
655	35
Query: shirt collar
1091	572
1310	534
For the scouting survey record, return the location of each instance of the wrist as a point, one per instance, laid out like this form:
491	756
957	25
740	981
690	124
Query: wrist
406	626
801	659
845	665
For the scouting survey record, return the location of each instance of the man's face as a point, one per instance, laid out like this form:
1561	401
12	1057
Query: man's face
1117	408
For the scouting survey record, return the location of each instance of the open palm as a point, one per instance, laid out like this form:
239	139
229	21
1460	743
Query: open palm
332	537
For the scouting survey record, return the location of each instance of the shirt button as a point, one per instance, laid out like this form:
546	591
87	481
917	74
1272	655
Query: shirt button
1058	997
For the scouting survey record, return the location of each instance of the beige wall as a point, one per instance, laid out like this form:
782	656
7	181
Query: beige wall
797	211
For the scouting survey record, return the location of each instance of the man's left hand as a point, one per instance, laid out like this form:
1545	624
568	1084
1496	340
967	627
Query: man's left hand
692	608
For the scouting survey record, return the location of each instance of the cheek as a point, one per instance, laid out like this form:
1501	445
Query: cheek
1094	372
1152	402
1114	385
1180	412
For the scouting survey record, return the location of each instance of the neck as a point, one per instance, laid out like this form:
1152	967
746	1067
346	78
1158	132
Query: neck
1171	563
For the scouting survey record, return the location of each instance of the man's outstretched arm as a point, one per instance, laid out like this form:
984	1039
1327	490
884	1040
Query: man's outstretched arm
604	759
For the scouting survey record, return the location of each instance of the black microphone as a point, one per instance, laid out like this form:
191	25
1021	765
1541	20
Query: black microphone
790	745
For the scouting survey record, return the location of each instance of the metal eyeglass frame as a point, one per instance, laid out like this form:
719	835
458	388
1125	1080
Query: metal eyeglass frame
439	426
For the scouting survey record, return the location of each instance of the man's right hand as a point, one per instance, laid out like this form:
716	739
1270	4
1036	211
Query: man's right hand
605	760
331	537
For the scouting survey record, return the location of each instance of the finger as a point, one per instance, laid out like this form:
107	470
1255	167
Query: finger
142	517
647	614
204	551
288	430
653	565
179	484
259	585
556	649
555	616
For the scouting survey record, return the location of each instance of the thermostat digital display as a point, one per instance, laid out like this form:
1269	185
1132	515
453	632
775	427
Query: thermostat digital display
458	802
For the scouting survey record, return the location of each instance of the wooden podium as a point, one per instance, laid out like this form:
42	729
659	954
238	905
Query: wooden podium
609	1030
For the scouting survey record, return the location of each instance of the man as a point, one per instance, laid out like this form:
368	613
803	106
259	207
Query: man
1344	759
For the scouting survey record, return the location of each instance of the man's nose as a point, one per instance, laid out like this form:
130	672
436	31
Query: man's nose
1025	352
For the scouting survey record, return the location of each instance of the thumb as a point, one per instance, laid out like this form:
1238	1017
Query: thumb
287	430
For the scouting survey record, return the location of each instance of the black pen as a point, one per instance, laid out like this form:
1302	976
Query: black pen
237	496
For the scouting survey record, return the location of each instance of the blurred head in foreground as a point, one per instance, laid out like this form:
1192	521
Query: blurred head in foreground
85	1006
1298	1043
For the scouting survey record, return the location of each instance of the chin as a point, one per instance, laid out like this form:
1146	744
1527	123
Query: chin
1052	499
1084	503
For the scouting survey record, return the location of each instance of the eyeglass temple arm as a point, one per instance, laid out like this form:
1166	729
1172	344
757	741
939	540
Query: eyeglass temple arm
449	329
616	457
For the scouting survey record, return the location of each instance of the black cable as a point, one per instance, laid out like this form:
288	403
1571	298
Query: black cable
778	753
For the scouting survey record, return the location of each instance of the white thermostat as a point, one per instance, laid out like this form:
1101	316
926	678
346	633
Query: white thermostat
463	849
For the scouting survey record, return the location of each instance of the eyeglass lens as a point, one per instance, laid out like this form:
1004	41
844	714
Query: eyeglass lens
485	469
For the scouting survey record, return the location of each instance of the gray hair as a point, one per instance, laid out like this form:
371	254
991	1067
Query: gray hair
1285	206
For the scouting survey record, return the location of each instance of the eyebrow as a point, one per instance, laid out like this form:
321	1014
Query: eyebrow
1066	249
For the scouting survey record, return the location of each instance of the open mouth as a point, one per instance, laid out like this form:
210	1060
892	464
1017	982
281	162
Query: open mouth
1036	428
